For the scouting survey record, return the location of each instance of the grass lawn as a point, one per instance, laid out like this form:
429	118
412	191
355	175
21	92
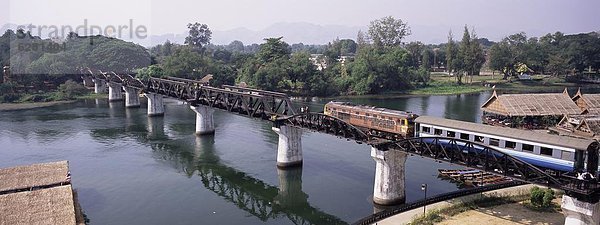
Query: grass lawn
442	84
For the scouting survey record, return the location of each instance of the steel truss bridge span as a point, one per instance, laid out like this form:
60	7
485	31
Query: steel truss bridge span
277	107
486	158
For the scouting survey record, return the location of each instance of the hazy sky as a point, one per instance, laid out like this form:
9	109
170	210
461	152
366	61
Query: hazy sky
489	17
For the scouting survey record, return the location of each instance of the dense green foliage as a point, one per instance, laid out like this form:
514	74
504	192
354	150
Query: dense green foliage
552	53
41	65
541	198
465	58
377	62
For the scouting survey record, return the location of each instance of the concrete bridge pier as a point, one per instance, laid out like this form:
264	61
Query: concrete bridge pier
156	127
289	148
132	98
114	92
156	106
204	120
87	81
290	188
99	86
579	212
389	177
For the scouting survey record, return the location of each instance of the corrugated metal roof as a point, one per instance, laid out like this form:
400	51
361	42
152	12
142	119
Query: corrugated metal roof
535	104
519	134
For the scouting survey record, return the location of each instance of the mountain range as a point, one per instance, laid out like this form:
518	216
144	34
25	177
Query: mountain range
308	33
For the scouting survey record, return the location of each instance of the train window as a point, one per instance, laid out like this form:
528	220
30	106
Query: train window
464	136
527	147
450	134
479	138
426	129
545	151
437	131
510	144
494	142
566	155
368	114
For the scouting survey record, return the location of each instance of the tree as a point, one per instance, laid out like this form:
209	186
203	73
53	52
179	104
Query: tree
388	31
70	89
184	62
478	56
199	35
415	49
451	53
426	59
301	69
501	59
235	46
361	38
150	71
465	59
272	49
376	70
119	56
557	64
506	54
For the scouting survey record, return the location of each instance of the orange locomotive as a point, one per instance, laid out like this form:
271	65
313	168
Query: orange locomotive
385	123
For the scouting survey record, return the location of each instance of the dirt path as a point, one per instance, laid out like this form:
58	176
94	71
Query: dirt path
510	214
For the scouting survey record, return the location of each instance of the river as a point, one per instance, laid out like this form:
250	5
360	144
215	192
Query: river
132	169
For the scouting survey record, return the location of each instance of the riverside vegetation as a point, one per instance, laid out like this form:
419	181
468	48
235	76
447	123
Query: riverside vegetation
378	61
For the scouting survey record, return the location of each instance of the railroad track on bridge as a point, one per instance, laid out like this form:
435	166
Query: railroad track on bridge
278	108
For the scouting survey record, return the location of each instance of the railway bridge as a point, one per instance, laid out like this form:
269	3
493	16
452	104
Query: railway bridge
580	203
259	199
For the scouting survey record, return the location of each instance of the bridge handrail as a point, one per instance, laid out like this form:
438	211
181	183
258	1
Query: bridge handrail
184	80
289	119
255	90
376	217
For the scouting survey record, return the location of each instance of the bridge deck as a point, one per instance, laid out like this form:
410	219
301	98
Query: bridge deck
278	108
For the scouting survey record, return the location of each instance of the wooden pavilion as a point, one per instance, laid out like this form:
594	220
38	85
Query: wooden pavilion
583	126
588	103
528	111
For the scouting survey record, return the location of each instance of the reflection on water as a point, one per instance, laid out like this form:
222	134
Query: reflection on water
135	169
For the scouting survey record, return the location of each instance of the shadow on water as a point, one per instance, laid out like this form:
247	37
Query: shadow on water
199	158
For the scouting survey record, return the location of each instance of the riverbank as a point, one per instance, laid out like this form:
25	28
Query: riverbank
442	84
34	105
456	209
30	105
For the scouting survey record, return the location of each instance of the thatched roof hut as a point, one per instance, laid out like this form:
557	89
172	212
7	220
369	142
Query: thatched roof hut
511	105
586	126
588	103
34	176
45	206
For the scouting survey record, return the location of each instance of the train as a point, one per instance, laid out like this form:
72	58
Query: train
553	153
380	122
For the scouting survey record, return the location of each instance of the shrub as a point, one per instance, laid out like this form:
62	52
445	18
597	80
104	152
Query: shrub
70	89
9	97
541	198
537	196
548	197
